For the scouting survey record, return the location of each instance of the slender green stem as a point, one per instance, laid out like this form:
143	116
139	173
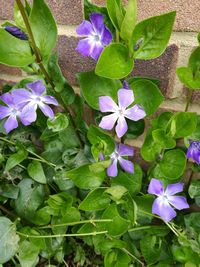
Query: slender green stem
146	227
172	229
62	235
117	36
189	98
76	223
132	256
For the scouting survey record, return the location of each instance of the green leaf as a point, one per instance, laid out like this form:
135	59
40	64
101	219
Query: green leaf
41	216
194	60
44	27
151	248
147	94
9	191
131	181
194	189
18	18
187	77
183	124
144	208
85	178
129	20
58	123
160	137
116	258
35	170
95	200
116	192
13	51
116	12
173	164
31	196
28	254
153	34
8	240
16	159
114	62
91	88
135	129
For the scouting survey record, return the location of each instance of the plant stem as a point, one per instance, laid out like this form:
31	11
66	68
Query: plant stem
62	235
146	227
189	98
7	212
76	223
132	256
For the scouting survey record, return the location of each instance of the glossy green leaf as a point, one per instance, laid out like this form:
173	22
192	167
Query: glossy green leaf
116	258
160	137
135	129
35	170
115	12
151	248
187	77
8	240
58	123
13	51
114	62
147	94
44	27
16	159
91	88
129	21
116	192
194	189
95	200
28	254
194	60
153	35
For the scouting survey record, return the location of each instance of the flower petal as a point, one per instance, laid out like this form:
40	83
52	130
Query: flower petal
124	150
135	113
156	187
125	98
28	114
96	50
97	21
4	112
106	104
179	202
121	127
163	209
107	122
10	124
47	111
172	189
106	36
50	100
126	165
21	96
112	169
37	87
7	99
85	28
85	47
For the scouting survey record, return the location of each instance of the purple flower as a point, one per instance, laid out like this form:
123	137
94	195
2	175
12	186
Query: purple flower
194	151
12	111
16	32
32	99
162	205
117	156
119	112
97	36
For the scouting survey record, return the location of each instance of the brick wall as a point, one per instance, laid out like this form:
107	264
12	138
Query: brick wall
69	14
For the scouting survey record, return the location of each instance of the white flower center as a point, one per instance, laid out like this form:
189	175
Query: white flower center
114	155
14	112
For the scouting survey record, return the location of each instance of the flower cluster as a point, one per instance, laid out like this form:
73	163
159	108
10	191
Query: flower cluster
194	151
162	205
21	104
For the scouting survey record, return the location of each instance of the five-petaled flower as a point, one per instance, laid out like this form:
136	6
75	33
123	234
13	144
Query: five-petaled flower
120	151
162	205
194	151
120	112
15	31
97	36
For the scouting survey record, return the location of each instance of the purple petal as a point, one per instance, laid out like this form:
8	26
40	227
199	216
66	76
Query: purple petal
106	36
50	100
124	150
107	122
37	87
11	123
126	85
106	104
97	21
172	189
162	208
101	156
126	165
85	28
121	127
85	47
48	112
4	112
125	98
179	202
156	187
112	169
96	51
28	114
135	113
21	96
194	151
7	99
13	30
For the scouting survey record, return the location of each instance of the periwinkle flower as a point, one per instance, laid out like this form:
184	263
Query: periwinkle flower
32	99
165	201
97	36
15	31
12	111
194	151
120	151
120	111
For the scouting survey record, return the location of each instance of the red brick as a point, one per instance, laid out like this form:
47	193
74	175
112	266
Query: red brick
195	95
65	11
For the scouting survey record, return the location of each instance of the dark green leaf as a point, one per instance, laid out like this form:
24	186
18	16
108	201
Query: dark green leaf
58	123
116	258
151	248
194	189
9	191
35	170
16	159
28	254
